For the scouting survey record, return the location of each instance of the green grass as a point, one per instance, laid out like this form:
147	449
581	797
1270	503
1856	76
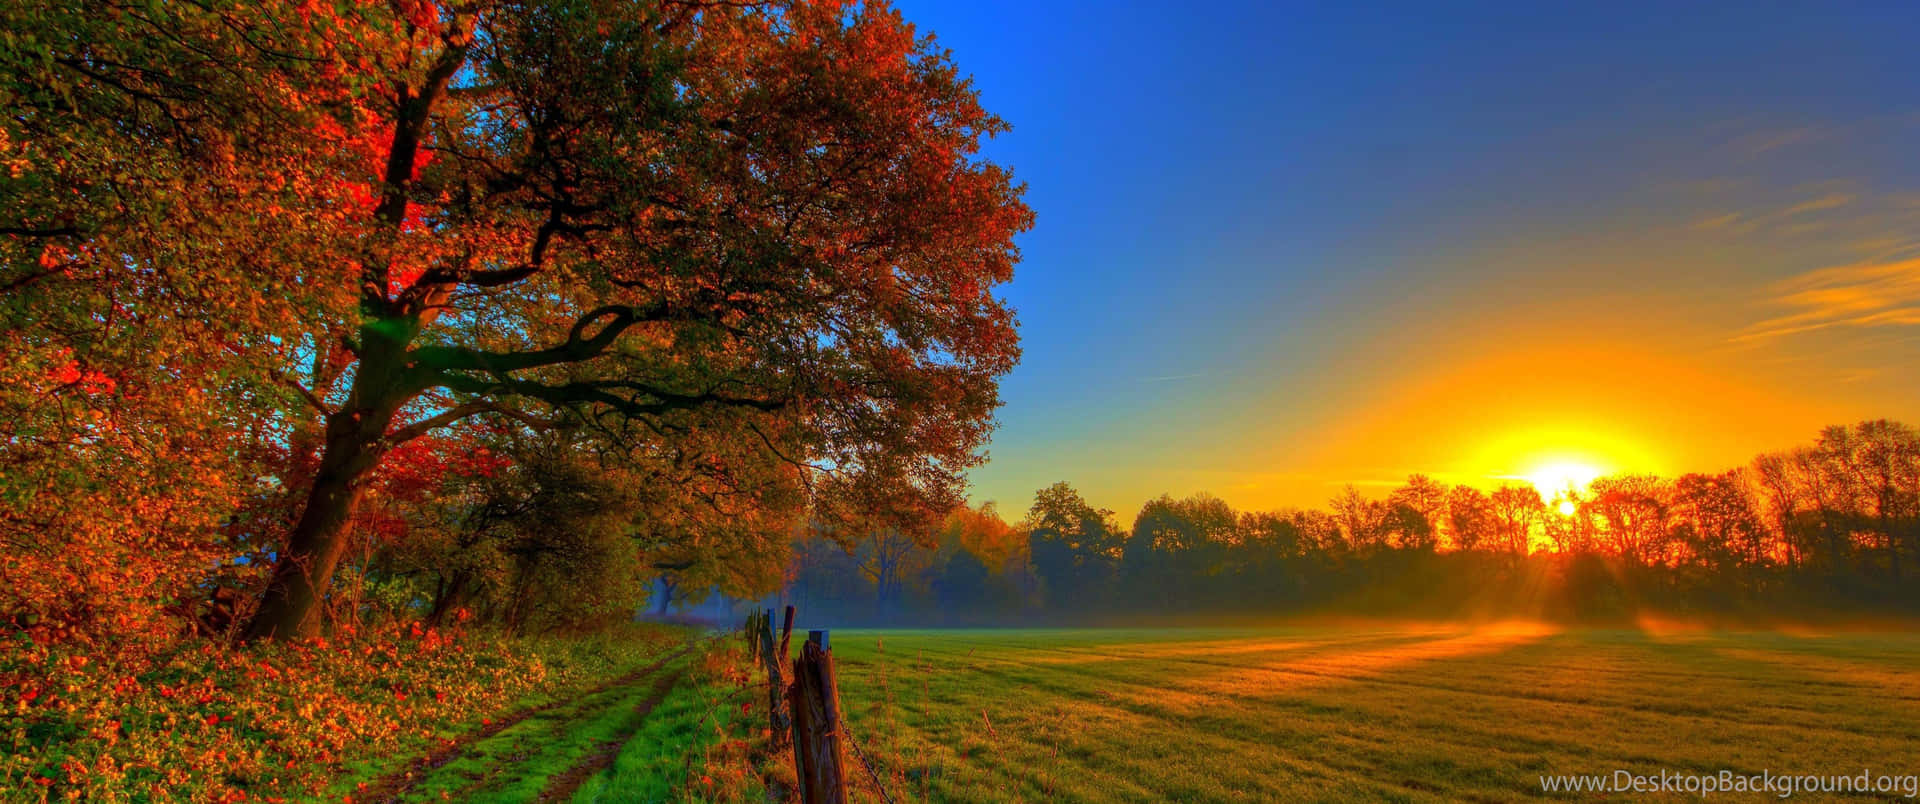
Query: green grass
657	733
587	661
518	762
1326	714
657	764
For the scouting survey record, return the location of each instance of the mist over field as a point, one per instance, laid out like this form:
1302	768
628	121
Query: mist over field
1822	535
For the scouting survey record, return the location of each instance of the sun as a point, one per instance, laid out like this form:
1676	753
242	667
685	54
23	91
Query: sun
1556	478
1567	508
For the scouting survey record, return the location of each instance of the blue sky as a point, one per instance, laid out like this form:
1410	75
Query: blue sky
1281	247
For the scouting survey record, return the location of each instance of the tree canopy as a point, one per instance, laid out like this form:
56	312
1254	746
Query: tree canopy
745	252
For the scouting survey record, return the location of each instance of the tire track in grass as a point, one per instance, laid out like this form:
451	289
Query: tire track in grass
519	765
563	786
393	786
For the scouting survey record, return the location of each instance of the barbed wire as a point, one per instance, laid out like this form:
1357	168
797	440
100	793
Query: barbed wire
861	755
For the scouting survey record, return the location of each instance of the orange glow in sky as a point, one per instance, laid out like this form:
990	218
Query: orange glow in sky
1562	477
1668	270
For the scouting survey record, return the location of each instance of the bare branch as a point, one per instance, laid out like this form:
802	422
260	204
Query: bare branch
434	422
459	412
305	393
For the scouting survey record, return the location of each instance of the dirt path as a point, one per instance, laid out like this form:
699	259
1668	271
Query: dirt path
390	787
562	787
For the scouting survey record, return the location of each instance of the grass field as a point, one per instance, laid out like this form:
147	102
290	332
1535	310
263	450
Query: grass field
1326	714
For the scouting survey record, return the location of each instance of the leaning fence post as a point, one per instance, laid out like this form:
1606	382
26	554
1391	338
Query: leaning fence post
818	750
776	685
786	630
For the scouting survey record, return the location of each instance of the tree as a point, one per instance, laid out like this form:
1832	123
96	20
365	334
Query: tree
982	532
1073	545
1178	547
1470	517
1515	509
1419	507
1637	511
1876	465
158	241
1718	523
1773	476
650	221
1365	521
887	558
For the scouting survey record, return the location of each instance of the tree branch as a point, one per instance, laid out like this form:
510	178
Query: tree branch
409	130
579	347
305	393
24	231
458	412
601	392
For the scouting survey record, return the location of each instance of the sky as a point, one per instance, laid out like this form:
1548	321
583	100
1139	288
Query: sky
1285	247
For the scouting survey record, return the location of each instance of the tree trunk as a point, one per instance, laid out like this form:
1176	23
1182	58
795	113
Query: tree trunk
451	594
667	587
291	607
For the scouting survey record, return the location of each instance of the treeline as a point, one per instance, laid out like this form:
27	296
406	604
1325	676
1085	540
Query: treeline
1831	528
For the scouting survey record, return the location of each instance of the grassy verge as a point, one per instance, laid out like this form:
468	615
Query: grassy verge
666	732
207	722
520	762
694	746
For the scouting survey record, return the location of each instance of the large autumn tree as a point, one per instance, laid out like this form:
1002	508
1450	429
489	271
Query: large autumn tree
750	247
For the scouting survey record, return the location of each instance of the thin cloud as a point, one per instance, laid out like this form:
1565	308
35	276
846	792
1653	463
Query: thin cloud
1789	220
1854	296
1760	142
1718	221
1828	201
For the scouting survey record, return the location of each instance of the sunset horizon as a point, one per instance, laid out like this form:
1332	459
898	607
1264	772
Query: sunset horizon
1663	264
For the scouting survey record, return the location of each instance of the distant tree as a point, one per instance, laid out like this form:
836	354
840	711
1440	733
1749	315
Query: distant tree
888	558
963	582
1826	520
1267	560
1275	534
1515	509
1418	510
1773	476
1320	533
1636	511
1876	465
982	532
1176	546
1073	546
1365	521
1717	521
1470	517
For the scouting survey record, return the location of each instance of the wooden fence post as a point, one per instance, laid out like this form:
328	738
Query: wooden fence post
818	750
752	632
775	660
786	630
